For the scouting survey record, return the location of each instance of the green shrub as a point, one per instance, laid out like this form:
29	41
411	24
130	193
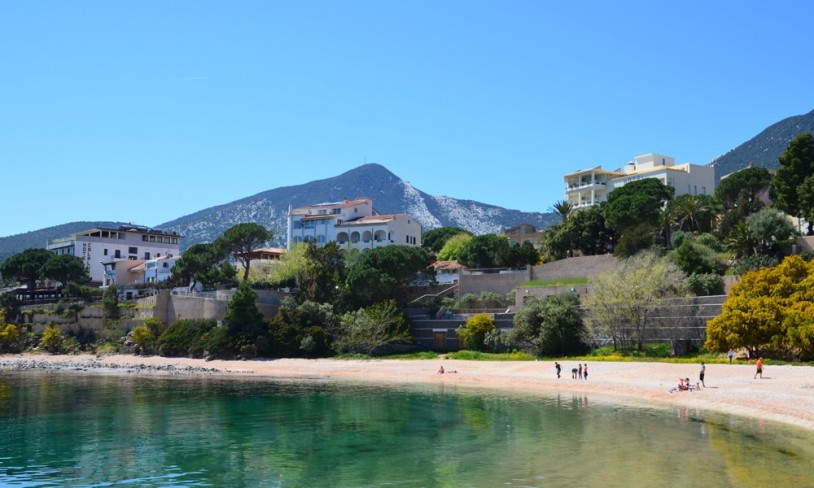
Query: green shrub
705	284
215	342
185	337
711	242
754	263
490	299
110	302
470	300
496	340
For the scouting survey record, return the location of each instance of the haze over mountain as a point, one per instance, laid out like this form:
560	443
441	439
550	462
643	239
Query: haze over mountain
390	194
764	149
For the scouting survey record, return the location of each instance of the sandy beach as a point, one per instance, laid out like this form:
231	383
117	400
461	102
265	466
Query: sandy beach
785	394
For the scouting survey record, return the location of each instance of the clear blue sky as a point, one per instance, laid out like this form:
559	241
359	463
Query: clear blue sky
147	111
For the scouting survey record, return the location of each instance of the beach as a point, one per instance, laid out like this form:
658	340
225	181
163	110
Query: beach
785	394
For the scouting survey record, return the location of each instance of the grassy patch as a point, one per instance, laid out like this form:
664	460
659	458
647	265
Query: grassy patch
490	356
562	282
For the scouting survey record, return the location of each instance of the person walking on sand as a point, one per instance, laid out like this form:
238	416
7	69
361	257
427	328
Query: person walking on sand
580	370
558	368
701	375
585	371
759	366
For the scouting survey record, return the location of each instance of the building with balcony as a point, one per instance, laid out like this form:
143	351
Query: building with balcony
102	249
590	187
352	224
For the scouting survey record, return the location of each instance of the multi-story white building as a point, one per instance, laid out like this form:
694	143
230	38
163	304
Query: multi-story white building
589	187
352	224
101	249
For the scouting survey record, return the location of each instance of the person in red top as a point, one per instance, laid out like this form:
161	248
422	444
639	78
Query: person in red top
759	366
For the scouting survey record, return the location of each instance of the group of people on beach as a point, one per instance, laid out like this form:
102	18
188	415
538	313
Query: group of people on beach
580	372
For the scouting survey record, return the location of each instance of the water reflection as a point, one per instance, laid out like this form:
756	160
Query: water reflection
83	430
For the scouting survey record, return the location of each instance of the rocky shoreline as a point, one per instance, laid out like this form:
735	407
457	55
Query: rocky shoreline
99	365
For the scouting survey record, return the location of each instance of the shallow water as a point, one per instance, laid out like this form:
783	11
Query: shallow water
65	429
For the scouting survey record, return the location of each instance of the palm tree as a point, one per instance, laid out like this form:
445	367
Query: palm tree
692	212
740	241
564	209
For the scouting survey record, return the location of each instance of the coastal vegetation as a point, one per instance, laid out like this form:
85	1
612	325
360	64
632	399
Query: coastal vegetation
349	302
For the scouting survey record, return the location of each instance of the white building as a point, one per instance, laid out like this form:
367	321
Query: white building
352	224
156	270
101	249
589	187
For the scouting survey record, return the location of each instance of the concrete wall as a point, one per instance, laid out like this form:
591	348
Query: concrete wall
575	267
805	243
164	306
38	317
474	281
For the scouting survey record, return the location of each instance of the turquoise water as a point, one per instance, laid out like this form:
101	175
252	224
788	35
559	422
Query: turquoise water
65	429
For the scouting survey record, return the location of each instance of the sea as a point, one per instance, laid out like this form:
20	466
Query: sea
75	429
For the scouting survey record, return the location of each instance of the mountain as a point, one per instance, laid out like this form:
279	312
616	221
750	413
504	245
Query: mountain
390	194
764	149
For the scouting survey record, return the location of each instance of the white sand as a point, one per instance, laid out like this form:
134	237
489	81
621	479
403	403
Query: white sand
785	394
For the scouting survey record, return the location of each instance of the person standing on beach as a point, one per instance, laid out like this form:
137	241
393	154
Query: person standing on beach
701	375
585	371
558	368
580	370
759	366
730	355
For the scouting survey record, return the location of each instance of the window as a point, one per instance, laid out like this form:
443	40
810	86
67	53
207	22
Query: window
105	252
337	211
132	250
166	265
146	255
118	253
308	224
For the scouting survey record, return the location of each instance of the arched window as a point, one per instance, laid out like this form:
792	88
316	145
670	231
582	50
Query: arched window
320	239
379	237
367	236
342	237
354	236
